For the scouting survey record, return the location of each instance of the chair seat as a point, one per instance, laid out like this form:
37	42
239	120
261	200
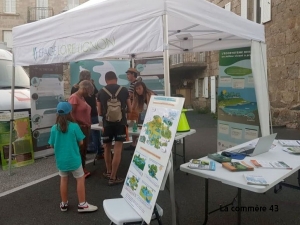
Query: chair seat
119	211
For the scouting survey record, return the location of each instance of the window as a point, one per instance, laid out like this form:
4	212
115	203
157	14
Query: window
73	3
9	6
42	9
7	37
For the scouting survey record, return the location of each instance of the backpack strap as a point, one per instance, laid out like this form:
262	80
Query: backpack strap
104	89
118	91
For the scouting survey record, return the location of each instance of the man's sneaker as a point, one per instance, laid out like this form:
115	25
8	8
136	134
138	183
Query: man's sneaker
116	181
87	208
63	206
130	148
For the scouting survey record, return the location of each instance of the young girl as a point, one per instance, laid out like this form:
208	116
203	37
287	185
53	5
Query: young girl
65	138
141	96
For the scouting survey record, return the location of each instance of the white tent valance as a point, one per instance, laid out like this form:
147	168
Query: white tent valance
119	28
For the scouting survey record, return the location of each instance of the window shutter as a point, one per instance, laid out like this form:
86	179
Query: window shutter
244	8
265	11
73	3
228	6
205	87
7	37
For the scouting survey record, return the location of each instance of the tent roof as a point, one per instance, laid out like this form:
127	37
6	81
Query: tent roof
132	27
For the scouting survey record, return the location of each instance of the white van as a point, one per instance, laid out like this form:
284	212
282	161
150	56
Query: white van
22	84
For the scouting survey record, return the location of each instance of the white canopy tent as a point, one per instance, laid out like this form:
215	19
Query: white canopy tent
145	28
120	28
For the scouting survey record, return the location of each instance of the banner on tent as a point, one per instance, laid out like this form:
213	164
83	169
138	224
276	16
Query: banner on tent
238	119
46	90
151	156
98	69
22	149
107	42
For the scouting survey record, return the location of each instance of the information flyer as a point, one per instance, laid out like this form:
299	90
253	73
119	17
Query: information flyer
238	119
150	159
22	149
46	90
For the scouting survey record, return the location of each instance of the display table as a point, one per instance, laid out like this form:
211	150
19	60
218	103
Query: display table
178	136
236	179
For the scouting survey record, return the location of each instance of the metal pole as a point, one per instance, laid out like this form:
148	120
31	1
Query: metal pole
166	57
11	114
172	191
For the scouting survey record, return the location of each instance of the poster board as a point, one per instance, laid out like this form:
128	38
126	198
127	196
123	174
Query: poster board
46	91
98	69
238	119
22	149
152	74
151	156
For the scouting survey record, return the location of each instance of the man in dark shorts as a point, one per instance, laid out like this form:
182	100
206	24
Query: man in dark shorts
113	130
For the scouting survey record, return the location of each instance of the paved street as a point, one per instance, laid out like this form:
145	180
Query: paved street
39	203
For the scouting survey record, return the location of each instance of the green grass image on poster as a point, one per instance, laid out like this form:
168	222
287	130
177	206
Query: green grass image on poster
146	194
139	161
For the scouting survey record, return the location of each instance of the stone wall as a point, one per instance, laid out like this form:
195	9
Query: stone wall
8	21
283	57
283	49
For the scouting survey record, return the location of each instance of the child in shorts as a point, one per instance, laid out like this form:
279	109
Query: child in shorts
65	138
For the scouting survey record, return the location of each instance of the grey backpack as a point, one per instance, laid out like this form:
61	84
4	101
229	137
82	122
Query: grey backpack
114	107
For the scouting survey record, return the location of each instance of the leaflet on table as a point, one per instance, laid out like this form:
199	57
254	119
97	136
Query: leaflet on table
255	180
202	164
150	159
289	143
293	150
270	164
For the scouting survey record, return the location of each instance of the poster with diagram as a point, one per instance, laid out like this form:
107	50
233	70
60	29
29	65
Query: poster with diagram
46	91
22	148
152	73
238	119
98	69
151	156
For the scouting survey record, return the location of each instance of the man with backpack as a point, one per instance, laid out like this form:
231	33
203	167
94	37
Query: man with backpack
113	103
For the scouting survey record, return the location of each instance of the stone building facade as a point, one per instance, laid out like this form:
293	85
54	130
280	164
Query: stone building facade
283	57
17	12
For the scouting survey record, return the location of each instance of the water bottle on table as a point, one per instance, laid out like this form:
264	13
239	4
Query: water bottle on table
134	127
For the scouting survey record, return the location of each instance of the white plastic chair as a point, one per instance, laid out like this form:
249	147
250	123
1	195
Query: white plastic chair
121	213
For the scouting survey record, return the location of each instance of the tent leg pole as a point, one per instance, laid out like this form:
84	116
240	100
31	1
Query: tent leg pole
166	58
11	115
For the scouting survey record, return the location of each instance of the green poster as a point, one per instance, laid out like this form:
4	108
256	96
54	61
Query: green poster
22	150
238	119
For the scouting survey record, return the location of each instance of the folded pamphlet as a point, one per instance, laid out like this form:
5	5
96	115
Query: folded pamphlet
289	143
270	164
202	164
237	166
256	180
219	158
293	150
